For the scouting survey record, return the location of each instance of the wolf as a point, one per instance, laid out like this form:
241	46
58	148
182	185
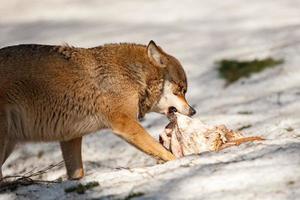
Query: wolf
61	93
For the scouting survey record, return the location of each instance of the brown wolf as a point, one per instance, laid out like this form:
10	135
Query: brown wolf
61	93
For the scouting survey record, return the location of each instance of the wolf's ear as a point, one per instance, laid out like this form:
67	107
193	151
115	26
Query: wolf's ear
155	54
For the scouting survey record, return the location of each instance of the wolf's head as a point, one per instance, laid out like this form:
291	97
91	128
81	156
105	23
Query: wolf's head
175	82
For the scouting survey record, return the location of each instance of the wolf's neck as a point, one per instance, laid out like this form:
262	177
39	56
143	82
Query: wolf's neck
132	61
150	78
149	96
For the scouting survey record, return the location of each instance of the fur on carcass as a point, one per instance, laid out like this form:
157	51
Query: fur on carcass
185	136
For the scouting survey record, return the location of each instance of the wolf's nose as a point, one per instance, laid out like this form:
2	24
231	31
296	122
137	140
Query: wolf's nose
192	111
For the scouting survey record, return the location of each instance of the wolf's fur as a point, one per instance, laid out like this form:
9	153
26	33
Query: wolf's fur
60	93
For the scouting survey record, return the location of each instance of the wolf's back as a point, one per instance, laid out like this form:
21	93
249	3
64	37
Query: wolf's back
45	88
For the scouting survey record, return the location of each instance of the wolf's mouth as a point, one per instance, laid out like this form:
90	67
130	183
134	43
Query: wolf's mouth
172	110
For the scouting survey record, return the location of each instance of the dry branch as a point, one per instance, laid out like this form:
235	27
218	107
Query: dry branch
12	182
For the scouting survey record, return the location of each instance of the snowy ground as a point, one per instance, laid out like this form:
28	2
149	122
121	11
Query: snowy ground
198	33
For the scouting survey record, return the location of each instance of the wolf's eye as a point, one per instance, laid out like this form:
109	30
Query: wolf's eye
176	93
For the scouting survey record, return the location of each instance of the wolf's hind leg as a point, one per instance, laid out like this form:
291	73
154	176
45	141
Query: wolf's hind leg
6	144
71	151
6	147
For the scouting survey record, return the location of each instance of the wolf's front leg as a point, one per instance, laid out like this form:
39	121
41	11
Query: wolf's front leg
71	151
129	129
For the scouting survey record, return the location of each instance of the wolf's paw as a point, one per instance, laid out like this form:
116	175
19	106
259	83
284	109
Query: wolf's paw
76	175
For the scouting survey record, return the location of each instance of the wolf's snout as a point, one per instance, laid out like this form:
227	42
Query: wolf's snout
192	111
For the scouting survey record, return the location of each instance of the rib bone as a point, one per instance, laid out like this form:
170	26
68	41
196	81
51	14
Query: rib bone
185	136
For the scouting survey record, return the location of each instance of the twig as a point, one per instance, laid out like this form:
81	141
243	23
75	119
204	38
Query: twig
26	179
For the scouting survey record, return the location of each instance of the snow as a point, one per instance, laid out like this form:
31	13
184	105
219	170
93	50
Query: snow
198	33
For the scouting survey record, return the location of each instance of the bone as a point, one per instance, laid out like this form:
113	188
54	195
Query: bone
186	136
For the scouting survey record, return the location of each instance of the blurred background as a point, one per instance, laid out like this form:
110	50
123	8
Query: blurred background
200	33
